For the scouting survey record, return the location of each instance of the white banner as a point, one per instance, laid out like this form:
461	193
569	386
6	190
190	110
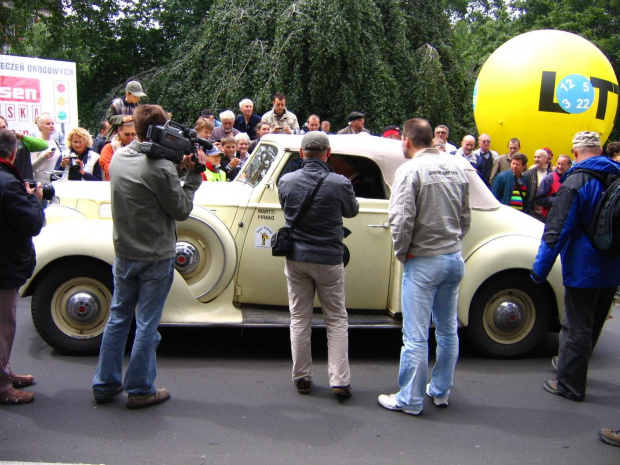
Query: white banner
31	86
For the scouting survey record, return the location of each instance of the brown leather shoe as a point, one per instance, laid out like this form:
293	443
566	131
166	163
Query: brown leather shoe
146	400
19	381
344	392
15	396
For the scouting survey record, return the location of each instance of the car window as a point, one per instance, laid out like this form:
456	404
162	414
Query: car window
255	169
364	173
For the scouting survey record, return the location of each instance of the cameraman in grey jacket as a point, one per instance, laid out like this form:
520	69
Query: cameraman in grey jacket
429	216
147	201
316	262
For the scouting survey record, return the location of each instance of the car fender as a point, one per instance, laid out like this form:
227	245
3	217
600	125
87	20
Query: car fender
500	255
58	241
206	254
56	213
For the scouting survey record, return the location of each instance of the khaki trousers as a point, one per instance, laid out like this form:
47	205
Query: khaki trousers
304	279
8	324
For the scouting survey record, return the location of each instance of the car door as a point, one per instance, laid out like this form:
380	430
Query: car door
261	279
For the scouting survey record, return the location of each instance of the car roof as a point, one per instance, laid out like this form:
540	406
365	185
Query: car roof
387	153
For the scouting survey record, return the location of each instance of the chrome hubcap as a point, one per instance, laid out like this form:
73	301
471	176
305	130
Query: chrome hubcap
83	308
508	316
187	258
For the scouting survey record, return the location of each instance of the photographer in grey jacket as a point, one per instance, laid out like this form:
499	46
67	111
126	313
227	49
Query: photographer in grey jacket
315	263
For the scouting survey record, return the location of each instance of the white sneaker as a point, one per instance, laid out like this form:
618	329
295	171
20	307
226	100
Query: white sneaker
389	402
441	402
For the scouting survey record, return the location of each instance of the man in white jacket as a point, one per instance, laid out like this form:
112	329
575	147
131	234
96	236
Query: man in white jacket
429	215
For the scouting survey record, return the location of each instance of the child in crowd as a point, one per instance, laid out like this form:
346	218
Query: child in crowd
230	163
121	110
214	171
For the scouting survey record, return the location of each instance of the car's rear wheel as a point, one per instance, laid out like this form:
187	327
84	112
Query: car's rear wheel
509	316
71	305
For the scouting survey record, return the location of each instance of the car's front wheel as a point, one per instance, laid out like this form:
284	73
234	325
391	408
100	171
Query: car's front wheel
71	305
509	316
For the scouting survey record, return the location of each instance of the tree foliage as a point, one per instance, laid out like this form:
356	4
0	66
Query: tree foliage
327	57
110	40
393	59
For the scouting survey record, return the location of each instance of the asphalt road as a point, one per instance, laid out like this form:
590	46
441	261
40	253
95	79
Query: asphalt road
233	403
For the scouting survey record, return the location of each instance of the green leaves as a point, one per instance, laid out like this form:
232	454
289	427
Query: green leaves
327	57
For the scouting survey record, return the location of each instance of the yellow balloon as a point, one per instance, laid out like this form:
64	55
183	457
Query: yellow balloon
542	87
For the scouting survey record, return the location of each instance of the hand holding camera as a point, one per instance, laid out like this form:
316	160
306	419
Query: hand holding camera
34	188
71	159
40	191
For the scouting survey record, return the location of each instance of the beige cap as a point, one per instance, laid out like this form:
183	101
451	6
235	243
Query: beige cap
586	139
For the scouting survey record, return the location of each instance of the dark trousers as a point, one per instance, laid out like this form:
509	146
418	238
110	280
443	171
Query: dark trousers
585	312
8	323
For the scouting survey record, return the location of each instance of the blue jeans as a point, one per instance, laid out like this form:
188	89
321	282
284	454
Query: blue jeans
430	289
141	287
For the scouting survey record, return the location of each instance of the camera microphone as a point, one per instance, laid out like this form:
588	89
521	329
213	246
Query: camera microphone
204	143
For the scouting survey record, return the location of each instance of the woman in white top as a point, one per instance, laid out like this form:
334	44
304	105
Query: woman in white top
45	161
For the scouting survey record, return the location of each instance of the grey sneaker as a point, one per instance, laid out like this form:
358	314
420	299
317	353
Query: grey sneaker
610	437
551	385
135	401
554	363
389	402
441	402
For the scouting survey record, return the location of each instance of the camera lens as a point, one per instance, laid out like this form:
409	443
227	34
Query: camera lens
48	191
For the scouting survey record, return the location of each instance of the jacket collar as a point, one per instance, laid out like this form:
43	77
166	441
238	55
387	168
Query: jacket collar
11	168
314	163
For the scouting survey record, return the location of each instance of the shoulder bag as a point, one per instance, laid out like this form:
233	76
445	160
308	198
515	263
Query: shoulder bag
282	240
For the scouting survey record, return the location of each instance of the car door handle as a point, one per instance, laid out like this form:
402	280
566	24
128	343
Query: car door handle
384	225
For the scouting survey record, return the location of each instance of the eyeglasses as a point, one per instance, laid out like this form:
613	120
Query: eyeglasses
485	141
441	132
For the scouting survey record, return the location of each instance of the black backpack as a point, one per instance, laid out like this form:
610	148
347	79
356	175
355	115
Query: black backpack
604	230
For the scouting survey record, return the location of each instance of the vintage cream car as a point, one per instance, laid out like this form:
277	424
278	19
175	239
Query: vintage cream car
225	273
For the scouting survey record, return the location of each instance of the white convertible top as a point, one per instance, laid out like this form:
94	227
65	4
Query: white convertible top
388	155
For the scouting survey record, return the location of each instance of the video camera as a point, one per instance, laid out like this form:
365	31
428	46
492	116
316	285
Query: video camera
172	141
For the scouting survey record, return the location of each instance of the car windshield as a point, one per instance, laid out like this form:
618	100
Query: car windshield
255	169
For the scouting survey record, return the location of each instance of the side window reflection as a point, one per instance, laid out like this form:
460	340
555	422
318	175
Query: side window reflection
364	174
257	167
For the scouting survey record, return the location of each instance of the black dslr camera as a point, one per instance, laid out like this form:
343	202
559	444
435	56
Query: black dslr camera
172	141
48	189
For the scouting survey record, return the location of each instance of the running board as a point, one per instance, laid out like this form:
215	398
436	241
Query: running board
357	318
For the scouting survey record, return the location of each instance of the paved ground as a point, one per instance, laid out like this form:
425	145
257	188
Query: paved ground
233	402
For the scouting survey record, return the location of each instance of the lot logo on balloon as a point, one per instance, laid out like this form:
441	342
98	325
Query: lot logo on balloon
574	94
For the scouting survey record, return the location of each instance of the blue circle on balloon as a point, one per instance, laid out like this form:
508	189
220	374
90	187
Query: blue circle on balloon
575	93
